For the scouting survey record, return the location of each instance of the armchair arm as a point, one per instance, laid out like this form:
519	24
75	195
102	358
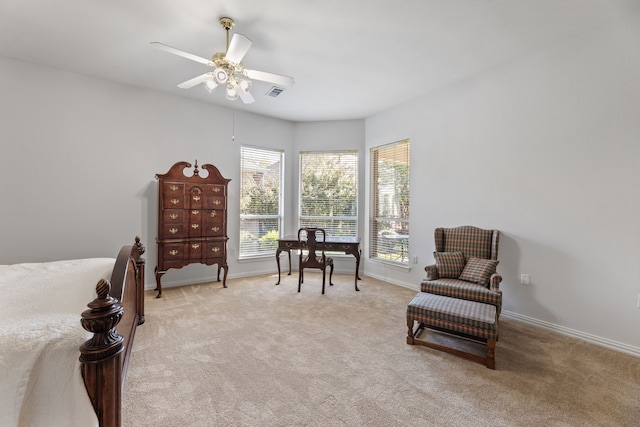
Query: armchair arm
494	282
432	272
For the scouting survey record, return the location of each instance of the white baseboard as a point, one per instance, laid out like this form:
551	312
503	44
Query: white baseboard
605	342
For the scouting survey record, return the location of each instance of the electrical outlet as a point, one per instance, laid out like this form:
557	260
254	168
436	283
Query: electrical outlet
524	280
232	250
415	259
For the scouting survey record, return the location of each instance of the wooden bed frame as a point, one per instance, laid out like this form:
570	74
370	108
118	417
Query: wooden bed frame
105	356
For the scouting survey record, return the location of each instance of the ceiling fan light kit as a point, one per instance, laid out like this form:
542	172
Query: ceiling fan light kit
228	67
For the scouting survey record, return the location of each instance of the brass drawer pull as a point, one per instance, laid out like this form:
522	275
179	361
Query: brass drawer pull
196	198
195	245
173	230
216	189
195	226
195	212
213	214
175	201
173	216
216	202
214	229
215	249
174	187
173	252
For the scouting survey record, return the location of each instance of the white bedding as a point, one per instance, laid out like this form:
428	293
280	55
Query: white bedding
40	334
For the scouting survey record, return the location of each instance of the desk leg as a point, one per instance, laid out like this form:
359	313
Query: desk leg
278	251
357	255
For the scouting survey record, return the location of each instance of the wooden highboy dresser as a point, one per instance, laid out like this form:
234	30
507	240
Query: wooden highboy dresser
192	219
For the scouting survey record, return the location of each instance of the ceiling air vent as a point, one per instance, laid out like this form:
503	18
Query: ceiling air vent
275	91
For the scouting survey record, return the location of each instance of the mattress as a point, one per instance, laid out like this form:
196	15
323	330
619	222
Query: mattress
40	337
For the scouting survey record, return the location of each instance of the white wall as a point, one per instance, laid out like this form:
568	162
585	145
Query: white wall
545	150
78	160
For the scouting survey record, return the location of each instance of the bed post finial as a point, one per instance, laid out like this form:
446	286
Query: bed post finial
195	170
101	319
140	246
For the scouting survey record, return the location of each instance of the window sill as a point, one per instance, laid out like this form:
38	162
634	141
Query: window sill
395	265
259	258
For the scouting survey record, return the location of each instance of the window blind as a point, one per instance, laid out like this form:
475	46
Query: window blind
260	200
389	221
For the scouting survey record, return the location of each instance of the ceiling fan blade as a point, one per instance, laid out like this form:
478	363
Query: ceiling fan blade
276	79
182	53
238	48
195	81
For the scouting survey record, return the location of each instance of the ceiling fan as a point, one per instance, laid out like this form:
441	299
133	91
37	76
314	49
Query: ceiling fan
227	67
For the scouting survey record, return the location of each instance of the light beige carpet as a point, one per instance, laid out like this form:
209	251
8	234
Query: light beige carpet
256	354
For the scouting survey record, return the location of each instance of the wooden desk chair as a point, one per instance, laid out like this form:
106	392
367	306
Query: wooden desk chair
308	239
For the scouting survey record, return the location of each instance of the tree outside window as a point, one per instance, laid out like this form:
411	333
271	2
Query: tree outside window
329	192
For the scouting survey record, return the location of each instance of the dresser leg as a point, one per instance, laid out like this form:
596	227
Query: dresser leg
158	284
224	278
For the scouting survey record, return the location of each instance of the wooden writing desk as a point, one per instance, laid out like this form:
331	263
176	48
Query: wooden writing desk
346	245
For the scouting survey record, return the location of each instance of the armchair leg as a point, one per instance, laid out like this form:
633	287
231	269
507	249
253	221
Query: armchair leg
324	275
299	278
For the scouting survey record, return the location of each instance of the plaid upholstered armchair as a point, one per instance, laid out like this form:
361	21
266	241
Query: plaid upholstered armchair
466	259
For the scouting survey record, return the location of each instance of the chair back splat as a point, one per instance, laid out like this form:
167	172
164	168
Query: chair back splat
311	241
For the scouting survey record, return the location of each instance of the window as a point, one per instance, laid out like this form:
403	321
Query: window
329	192
260	200
389	237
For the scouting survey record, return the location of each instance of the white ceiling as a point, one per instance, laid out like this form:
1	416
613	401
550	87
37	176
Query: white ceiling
350	58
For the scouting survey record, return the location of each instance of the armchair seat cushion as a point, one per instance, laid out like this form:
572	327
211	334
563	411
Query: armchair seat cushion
456	288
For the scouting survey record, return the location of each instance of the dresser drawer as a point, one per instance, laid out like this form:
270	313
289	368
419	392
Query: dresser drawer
215	250
195	251
173	216
173	201
173	188
173	253
215	190
195	197
213	230
213	216
215	202
195	229
172	231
